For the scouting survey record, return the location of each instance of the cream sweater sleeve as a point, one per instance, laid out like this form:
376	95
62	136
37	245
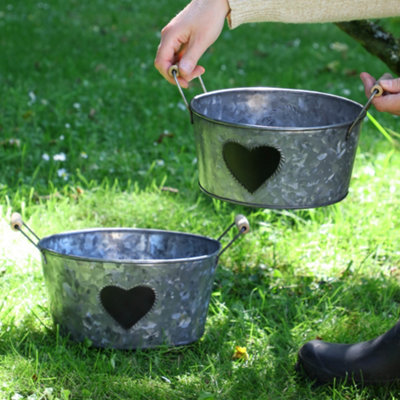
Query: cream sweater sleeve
304	11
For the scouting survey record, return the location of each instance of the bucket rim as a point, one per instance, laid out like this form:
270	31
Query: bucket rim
289	129
46	250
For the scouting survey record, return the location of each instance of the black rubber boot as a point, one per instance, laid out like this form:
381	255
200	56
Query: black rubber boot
373	362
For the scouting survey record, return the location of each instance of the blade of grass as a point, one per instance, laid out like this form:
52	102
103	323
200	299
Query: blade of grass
381	129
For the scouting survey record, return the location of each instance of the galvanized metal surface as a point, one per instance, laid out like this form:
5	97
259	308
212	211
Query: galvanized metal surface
130	288
275	148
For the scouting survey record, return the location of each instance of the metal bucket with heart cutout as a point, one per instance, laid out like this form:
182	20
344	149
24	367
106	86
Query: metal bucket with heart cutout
274	148
129	288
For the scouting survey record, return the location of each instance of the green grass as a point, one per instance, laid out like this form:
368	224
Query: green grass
78	83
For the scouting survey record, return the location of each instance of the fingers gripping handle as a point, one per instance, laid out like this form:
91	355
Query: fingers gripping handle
173	71
375	91
377	87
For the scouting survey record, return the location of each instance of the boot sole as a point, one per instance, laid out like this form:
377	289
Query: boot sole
325	378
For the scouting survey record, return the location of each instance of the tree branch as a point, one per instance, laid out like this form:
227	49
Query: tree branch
376	41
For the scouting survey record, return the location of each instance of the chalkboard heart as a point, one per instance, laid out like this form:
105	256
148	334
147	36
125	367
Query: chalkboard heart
127	307
251	167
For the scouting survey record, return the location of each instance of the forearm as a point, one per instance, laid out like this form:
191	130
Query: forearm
305	11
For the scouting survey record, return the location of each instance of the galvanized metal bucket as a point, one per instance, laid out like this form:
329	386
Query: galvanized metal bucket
129	288
275	148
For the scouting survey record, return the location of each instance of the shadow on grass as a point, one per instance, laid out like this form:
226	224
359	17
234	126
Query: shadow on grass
270	329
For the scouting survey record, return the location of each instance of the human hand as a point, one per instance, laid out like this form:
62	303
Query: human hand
390	101
187	36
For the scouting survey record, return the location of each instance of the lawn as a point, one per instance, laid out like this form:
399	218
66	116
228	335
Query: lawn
92	136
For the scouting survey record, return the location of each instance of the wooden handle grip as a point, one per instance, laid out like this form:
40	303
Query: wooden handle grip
173	68
16	221
242	224
378	87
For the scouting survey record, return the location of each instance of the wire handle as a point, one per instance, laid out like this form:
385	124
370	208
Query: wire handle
375	91
173	71
243	226
17	224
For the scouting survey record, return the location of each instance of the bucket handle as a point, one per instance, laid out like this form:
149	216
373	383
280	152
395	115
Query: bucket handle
174	72
375	91
243	226
17	224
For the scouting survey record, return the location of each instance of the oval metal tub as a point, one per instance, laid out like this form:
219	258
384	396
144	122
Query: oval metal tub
275	148
129	288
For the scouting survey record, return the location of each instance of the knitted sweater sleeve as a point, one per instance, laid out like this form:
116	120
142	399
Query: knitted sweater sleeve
305	11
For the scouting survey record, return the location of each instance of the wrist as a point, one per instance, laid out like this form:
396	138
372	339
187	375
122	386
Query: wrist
226	7
221	7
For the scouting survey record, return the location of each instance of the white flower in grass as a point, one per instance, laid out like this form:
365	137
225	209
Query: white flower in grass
48	392
62	173
32	97
44	6
17	396
62	137
181	106
77	106
59	157
296	42
67	125
83	155
368	170
164	378
45	157
340	47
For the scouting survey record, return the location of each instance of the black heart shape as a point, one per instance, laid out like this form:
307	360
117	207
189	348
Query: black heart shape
127	307
251	167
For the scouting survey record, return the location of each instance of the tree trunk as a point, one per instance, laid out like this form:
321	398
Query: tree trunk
376	41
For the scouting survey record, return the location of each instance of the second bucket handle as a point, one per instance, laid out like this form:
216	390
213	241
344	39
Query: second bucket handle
173	71
243	227
17	224
375	91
